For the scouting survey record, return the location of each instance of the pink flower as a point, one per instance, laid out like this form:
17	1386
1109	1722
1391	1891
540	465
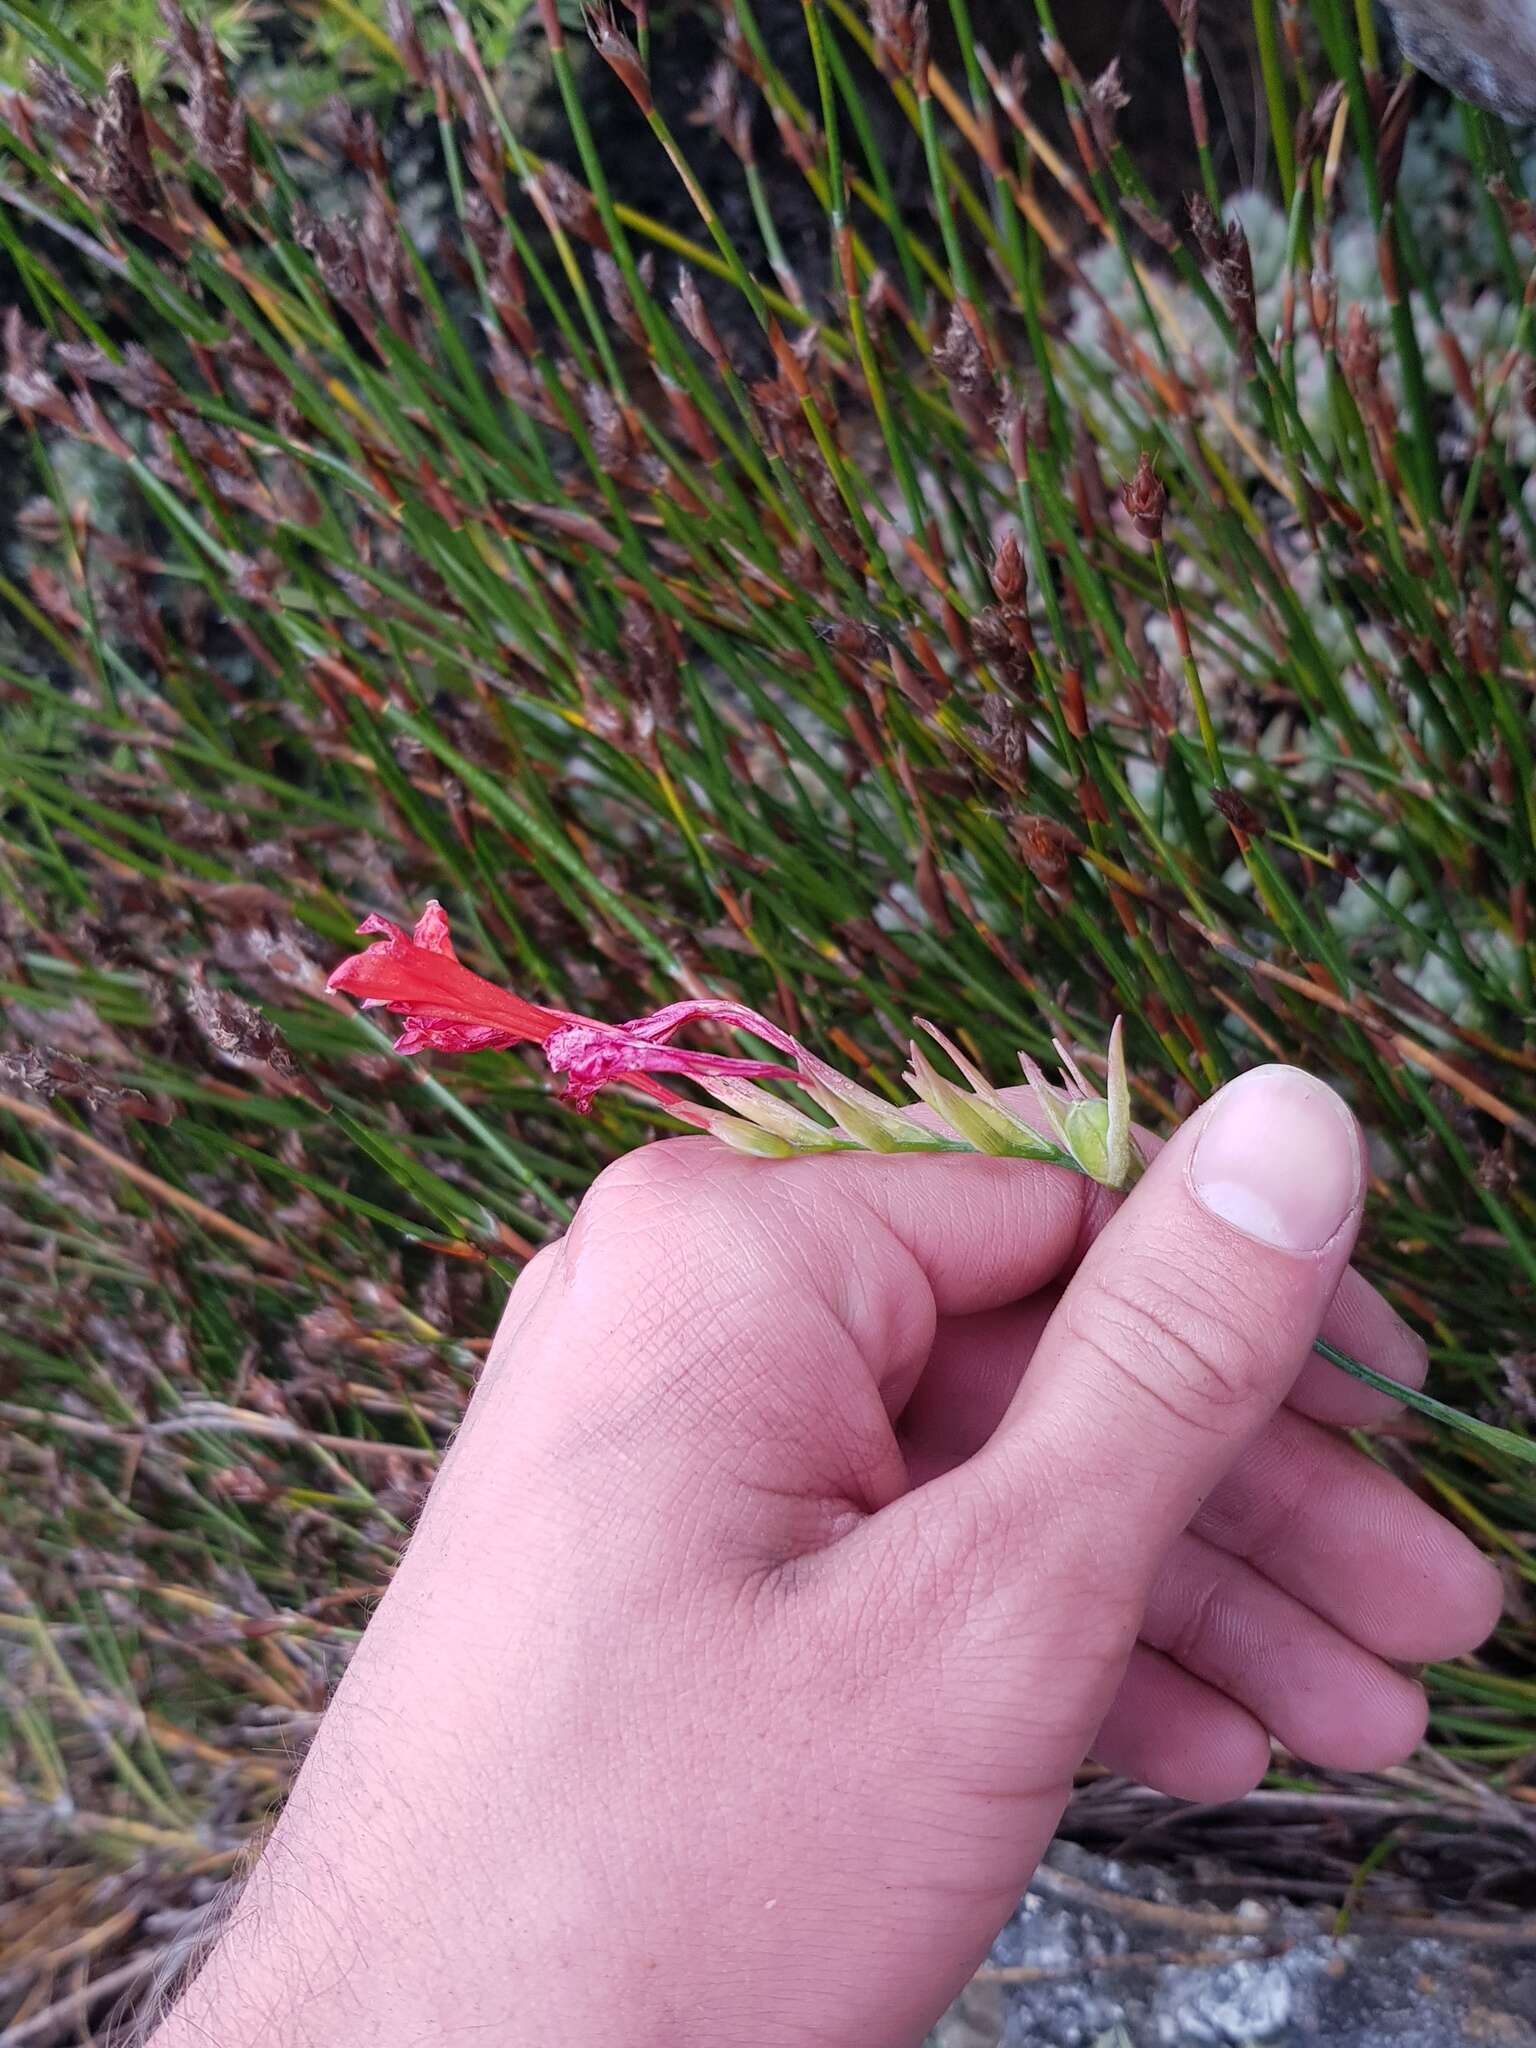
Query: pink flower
446	1008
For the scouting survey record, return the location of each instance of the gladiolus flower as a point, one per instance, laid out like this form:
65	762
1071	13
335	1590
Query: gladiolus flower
418	977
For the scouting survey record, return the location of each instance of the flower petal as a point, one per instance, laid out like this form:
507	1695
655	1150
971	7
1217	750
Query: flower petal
423	1035
431	931
418	977
662	1024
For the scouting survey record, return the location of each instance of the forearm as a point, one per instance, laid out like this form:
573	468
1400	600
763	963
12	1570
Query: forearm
325	1947
415	1891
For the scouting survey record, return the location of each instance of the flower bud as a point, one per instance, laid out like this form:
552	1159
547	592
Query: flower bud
1095	1133
734	1131
982	1118
865	1117
771	1114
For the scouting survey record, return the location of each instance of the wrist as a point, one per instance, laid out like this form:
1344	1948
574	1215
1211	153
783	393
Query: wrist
357	1928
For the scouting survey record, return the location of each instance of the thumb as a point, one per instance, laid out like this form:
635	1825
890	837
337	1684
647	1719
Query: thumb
1178	1337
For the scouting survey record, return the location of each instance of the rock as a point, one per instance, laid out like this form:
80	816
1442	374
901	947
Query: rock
1108	1955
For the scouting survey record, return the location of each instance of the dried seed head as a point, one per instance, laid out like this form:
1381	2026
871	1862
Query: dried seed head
1238	812
614	442
1233	272
693	317
260	385
722	109
1007	744
125	169
901	37
571	205
620	55
51	1073
1476	639
400	23
1204	225
1155	695
61	112
650	659
1104	101
999	639
234	1029
214	117
1009	577
1315	126
959	359
138	378
1145	500
336	248
256	577
1047	849
1360	354
881	298
27	384
620	307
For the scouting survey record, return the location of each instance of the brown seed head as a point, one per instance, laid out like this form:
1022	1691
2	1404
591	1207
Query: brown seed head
1238	812
400	22
901	36
571	205
620	55
1009	576
1104	101
1046	848
1145	499
125	170
959	359
1204	225
693	317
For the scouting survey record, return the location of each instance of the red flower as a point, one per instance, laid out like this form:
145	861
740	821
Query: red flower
446	1008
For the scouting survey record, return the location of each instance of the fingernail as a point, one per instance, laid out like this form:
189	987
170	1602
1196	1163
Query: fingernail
1278	1157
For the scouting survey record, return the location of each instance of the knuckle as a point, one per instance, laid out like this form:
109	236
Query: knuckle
1193	1634
650	1170
660	1200
1258	1510
1189	1346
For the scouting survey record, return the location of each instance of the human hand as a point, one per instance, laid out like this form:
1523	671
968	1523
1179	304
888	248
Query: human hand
811	1520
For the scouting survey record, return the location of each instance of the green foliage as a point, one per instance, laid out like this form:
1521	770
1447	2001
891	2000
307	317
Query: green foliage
97	35
713	584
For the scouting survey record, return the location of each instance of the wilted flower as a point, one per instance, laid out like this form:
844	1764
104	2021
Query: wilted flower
447	1008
